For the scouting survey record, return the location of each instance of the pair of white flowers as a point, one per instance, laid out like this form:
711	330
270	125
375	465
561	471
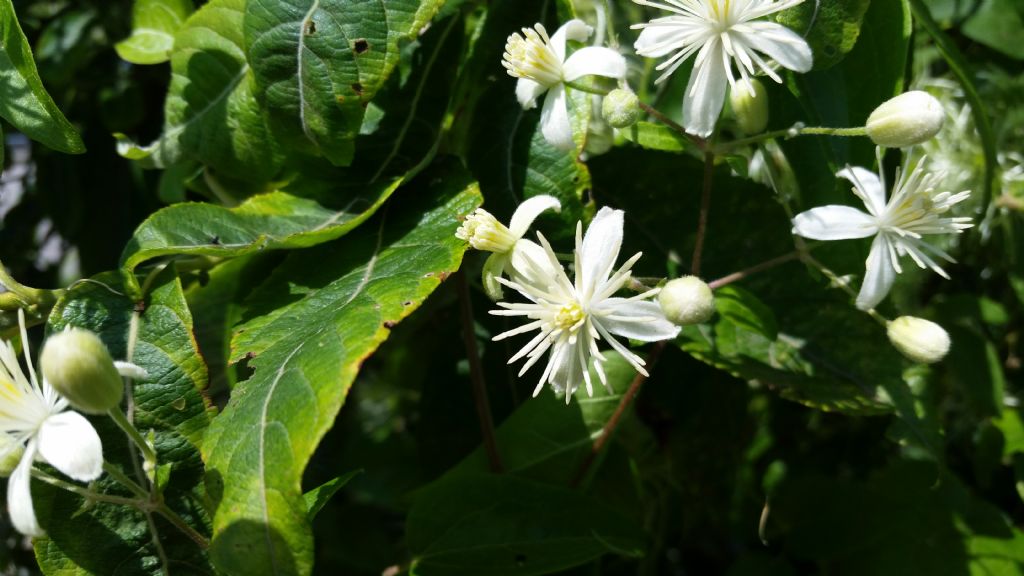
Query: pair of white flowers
915	208
721	33
569	316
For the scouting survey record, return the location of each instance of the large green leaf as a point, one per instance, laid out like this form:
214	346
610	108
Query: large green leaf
109	539
154	23
831	28
506	525
266	221
24	101
317	63
310	327
211	116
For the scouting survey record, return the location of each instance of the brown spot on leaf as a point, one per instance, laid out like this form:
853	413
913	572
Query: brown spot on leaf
357	88
389	324
361	45
310	28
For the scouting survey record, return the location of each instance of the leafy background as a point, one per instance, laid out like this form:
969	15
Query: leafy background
278	184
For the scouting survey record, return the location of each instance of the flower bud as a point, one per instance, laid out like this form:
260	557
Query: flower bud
12	451
483	232
78	366
621	108
910	118
687	300
918	339
750	105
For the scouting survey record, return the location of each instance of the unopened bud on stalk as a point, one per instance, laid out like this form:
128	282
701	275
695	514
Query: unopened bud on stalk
77	364
908	119
918	339
621	108
687	300
750	105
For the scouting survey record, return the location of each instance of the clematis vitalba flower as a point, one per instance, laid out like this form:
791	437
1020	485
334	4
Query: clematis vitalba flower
541	64
719	32
571	317
34	416
916	208
483	232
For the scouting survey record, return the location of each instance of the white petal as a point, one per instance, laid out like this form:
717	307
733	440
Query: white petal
70	444
879	276
656	41
594	60
834	222
782	44
19	496
554	120
639	320
705	92
531	266
527	92
600	249
528	211
574	29
869	186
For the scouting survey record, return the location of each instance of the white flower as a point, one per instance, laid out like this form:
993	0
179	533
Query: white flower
483	232
914	209
719	32
572	316
540	64
33	415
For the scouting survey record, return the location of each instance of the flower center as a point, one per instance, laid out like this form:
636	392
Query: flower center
483	232
569	316
532	57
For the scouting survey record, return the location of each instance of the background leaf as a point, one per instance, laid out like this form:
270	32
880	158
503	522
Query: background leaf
154	24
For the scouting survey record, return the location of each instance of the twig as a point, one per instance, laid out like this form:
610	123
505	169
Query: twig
705	206
725	280
620	410
476	374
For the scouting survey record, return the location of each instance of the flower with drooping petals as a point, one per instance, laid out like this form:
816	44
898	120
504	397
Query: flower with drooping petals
540	64
572	316
483	232
34	415
719	32
915	208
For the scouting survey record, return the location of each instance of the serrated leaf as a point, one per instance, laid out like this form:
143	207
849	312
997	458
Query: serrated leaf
310	326
318	62
210	115
24	101
745	310
154	24
831	28
105	538
506	525
267	221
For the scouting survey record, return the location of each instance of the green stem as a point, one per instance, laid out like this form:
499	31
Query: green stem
179	523
125	481
85	492
791	132
119	418
700	143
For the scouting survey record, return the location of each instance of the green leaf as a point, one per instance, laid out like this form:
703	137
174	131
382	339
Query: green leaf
962	70
154	23
910	518
24	101
105	538
657	137
745	311
998	24
317	63
211	115
318	497
267	221
498	525
831	28
310	326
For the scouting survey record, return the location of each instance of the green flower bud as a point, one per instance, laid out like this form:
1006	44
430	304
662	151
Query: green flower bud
750	105
687	300
910	118
78	366
918	339
12	452
621	108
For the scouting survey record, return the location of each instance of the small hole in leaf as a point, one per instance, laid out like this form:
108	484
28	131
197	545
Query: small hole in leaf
361	45
357	88
310	28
